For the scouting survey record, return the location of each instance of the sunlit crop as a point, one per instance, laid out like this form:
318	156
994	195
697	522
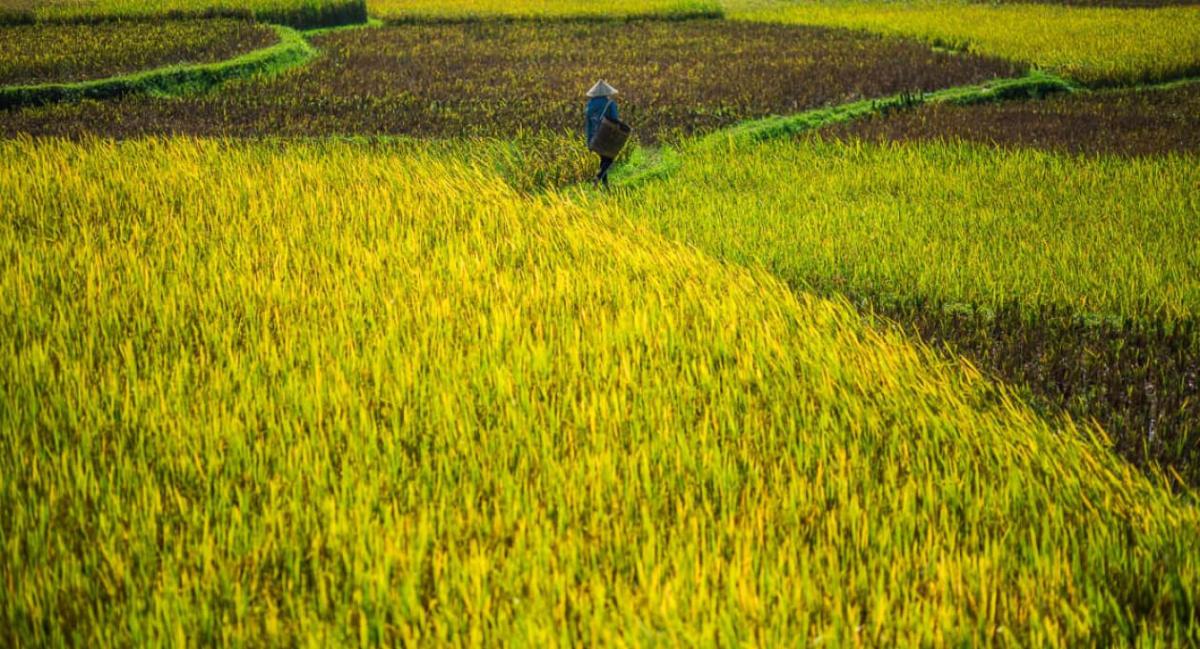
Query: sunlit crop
297	13
477	9
1040	239
31	54
1094	45
334	393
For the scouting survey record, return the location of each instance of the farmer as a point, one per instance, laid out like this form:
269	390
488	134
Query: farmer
602	102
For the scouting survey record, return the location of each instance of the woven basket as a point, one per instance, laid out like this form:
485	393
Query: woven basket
610	137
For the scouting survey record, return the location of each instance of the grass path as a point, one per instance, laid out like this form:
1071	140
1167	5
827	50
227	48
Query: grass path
646	164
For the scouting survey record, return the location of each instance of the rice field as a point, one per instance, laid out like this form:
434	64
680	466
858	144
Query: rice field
504	79
294	13
1096	46
430	10
1076	277
33	54
1125	122
321	393
352	353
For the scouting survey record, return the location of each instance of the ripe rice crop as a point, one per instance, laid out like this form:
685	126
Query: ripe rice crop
507	78
1122	4
32	54
294	13
1016	249
425	10
1095	46
334	393
1143	122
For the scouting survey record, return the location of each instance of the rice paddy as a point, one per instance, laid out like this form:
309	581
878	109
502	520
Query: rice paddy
32	54
455	10
1097	46
430	409
295	13
1141	123
499	79
933	233
871	343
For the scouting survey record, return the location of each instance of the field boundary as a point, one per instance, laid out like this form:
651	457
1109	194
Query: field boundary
645	165
292	49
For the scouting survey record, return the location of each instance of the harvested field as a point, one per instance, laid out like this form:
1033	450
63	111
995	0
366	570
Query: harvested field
1147	122
503	79
48	53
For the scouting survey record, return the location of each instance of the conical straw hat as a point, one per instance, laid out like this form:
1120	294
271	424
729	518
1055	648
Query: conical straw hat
602	89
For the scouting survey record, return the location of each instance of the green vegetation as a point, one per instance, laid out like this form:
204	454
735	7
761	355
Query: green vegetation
294	13
425	10
1097	46
245	402
291	50
31	54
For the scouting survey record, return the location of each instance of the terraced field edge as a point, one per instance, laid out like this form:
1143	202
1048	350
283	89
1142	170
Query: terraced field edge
292	49
644	165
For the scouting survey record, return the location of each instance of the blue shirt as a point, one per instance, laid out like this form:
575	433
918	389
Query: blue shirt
596	112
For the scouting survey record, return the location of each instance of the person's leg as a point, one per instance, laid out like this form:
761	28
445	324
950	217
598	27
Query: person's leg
605	163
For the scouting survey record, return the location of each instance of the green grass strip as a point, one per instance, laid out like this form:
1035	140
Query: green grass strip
644	165
292	49
371	23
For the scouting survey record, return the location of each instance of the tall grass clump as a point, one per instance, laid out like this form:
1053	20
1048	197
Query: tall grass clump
1096	46
332	393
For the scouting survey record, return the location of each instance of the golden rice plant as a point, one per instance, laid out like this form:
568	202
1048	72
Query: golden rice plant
948	220
1097	46
52	53
294	13
403	10
323	392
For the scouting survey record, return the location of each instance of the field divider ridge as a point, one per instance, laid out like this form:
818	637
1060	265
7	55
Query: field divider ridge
645	165
172	80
